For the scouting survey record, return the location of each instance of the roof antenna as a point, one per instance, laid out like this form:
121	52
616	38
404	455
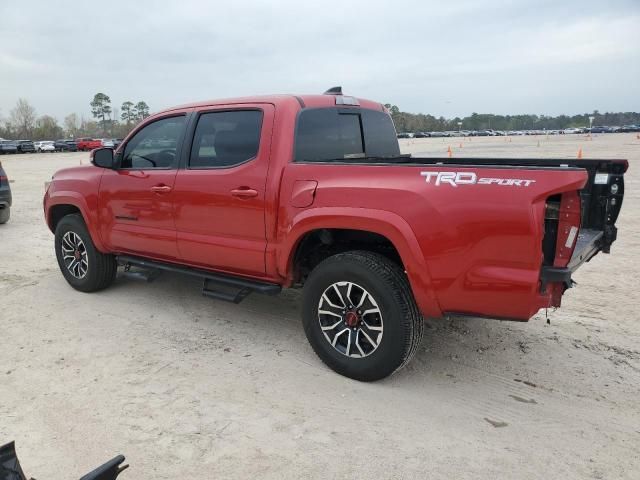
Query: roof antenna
334	91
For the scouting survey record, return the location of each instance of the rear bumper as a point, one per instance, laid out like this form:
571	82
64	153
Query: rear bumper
588	244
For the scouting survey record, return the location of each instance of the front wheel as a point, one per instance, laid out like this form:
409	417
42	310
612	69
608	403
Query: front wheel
360	316
82	265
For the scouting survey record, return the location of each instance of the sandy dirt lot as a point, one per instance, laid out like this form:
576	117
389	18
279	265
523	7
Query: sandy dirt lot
189	387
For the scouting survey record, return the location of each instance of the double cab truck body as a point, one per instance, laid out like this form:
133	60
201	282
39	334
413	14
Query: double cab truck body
260	193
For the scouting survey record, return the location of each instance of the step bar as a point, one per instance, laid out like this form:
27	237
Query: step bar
237	288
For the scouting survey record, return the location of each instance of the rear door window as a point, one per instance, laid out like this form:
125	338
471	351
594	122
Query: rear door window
225	139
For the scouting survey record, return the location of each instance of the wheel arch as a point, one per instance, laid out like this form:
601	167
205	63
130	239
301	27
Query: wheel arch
385	226
69	203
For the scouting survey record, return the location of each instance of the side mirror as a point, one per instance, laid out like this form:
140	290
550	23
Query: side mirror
103	157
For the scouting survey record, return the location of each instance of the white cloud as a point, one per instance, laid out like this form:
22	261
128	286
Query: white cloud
443	58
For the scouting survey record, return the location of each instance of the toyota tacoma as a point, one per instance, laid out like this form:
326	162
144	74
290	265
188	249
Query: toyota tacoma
258	194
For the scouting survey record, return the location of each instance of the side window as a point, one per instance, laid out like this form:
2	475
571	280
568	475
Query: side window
332	134
155	146
225	139
326	134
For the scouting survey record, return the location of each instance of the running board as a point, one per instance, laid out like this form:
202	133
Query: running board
215	285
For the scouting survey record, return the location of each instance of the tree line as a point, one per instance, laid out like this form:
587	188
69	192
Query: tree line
412	122
106	122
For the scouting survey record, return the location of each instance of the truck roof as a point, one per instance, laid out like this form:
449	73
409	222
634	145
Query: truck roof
302	101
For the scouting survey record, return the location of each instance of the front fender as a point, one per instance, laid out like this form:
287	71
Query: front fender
385	223
88	210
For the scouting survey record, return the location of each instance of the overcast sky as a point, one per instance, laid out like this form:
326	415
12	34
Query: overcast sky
444	58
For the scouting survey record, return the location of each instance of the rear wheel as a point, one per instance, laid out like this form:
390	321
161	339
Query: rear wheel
360	316
81	264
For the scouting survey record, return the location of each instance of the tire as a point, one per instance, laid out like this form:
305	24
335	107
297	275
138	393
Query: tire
398	322
99	269
5	214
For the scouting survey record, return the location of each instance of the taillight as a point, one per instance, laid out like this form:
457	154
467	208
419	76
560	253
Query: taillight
568	228
562	225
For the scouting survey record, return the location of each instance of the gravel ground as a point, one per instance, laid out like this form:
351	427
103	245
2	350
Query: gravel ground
189	387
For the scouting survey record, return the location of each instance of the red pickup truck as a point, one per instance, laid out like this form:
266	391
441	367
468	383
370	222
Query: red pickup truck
85	144
260	193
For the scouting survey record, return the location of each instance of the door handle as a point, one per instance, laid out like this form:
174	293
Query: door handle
161	189
244	192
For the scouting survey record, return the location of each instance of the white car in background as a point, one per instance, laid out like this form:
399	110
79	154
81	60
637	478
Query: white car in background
44	146
107	143
572	130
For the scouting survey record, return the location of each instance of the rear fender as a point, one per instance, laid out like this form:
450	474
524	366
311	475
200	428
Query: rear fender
388	224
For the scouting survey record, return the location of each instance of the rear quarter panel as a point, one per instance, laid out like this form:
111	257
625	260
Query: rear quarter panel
474	249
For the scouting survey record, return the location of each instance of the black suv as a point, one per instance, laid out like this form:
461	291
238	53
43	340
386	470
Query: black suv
8	146
5	197
63	146
25	146
73	146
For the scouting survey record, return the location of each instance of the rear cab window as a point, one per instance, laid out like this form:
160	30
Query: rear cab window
343	134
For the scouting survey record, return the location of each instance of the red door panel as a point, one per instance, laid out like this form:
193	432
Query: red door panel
136	212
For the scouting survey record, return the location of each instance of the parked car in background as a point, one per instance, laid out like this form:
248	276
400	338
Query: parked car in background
482	133
73	146
61	146
25	146
5	197
599	129
8	146
45	146
85	144
107	143
438	134
630	128
421	135
403	135
117	142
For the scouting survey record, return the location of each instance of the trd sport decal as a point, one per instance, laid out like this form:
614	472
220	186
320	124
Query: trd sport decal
470	178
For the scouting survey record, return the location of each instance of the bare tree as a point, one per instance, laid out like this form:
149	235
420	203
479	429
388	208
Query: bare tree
71	125
23	118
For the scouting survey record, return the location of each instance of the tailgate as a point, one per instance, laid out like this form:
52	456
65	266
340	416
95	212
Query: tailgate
580	224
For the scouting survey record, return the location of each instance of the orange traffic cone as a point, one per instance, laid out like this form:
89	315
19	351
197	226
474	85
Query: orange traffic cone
449	152
580	153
